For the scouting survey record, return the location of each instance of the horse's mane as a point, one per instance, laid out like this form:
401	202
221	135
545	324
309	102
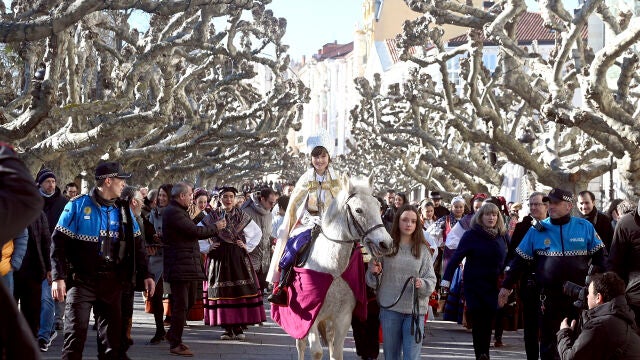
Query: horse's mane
355	185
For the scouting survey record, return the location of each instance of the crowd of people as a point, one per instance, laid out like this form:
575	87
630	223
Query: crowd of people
218	252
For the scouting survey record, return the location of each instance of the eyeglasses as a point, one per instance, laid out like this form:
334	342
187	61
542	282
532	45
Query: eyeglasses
536	204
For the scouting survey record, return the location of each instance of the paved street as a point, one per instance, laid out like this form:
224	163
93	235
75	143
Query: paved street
444	340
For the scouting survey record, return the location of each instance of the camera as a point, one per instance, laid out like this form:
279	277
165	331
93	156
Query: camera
577	293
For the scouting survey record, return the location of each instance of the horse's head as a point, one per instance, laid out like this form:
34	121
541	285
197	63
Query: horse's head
357	212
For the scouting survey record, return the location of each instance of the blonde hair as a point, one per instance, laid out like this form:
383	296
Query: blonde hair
489	208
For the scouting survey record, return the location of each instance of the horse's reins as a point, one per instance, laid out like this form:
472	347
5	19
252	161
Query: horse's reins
353	223
415	311
415	308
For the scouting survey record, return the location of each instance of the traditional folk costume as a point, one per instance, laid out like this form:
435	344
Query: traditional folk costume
310	198
232	292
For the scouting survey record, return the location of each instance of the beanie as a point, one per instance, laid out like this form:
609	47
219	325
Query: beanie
43	175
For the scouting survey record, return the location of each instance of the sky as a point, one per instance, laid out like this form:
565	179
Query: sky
313	23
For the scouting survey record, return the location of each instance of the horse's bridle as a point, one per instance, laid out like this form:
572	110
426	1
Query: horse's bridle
352	222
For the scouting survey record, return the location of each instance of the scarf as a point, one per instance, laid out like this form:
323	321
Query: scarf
44	194
493	232
237	220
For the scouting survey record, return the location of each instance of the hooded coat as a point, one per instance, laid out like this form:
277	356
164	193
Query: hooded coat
608	332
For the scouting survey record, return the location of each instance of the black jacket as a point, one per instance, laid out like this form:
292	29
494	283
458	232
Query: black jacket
73	257
624	258
20	201
21	204
53	207
519	232
182	261
602	223
37	260
608	332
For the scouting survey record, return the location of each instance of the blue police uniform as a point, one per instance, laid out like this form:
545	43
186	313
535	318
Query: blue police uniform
94	231
102	246
562	251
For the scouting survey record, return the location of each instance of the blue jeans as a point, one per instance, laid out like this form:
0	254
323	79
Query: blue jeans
8	282
396	331
46	312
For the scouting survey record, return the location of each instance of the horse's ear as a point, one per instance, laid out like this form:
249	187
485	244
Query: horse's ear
346	183
370	180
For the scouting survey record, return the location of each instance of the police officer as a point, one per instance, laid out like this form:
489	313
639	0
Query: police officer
101	243
528	293
560	250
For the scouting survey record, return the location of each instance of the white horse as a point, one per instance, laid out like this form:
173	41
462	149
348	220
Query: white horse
353	216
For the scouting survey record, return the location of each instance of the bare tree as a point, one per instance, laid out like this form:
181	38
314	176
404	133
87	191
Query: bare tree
524	111
177	100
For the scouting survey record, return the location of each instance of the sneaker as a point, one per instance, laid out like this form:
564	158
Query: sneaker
498	343
240	336
226	336
181	350
42	344
54	334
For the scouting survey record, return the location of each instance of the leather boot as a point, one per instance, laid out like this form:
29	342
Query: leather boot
279	297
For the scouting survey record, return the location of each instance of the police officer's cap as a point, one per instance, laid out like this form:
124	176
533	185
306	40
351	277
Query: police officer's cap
559	195
111	170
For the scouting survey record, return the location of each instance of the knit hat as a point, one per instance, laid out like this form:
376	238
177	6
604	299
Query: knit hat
43	175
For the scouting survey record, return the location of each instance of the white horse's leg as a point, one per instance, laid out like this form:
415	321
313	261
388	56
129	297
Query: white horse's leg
341	326
315	345
301	345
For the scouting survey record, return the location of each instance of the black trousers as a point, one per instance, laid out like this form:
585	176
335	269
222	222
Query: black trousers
365	333
158	307
530	305
27	289
556	309
127	317
16	341
482	320
182	294
104	294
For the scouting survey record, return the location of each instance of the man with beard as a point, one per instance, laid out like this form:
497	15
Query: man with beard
52	311
600	221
